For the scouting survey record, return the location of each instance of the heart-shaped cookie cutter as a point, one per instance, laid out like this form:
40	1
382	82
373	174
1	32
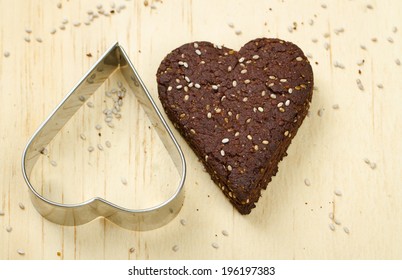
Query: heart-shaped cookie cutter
81	213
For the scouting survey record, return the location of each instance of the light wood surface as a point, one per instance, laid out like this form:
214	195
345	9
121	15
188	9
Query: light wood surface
291	220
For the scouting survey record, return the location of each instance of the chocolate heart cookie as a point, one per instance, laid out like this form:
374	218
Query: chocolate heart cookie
237	110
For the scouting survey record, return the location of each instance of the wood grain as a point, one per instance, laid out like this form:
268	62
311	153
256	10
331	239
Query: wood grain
291	219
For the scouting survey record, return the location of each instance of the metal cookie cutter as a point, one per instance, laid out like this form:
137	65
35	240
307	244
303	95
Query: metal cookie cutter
77	214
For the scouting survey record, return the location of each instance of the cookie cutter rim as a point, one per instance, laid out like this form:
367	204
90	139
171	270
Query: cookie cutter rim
80	213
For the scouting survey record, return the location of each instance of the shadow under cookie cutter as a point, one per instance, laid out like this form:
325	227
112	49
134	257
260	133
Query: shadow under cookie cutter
81	213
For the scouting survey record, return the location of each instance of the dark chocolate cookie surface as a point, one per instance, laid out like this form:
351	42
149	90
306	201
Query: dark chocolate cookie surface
237	110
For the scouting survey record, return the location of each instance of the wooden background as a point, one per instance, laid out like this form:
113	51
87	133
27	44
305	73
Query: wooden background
291	220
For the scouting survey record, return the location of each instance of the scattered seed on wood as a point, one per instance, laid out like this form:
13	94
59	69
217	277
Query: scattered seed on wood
373	165
1	213
131	250
367	161
90	104
337	64
215	245
332	227
98	127
9	229
307	182
320	112
338	193
225	233
339	30
397	62
238	32
363	47
22	206
28	30
100	147
21	252
327	46
123	181
360	62
346	230
394	29
335	106
59	5
389	39
331	215
324	6
90	149
231	24
27	39
175	248
53	163
380	86
6	54
76	23
108	144
337	221
38	39
183	222
370	7
83	137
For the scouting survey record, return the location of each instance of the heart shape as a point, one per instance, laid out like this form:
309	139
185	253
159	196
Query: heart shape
237	110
